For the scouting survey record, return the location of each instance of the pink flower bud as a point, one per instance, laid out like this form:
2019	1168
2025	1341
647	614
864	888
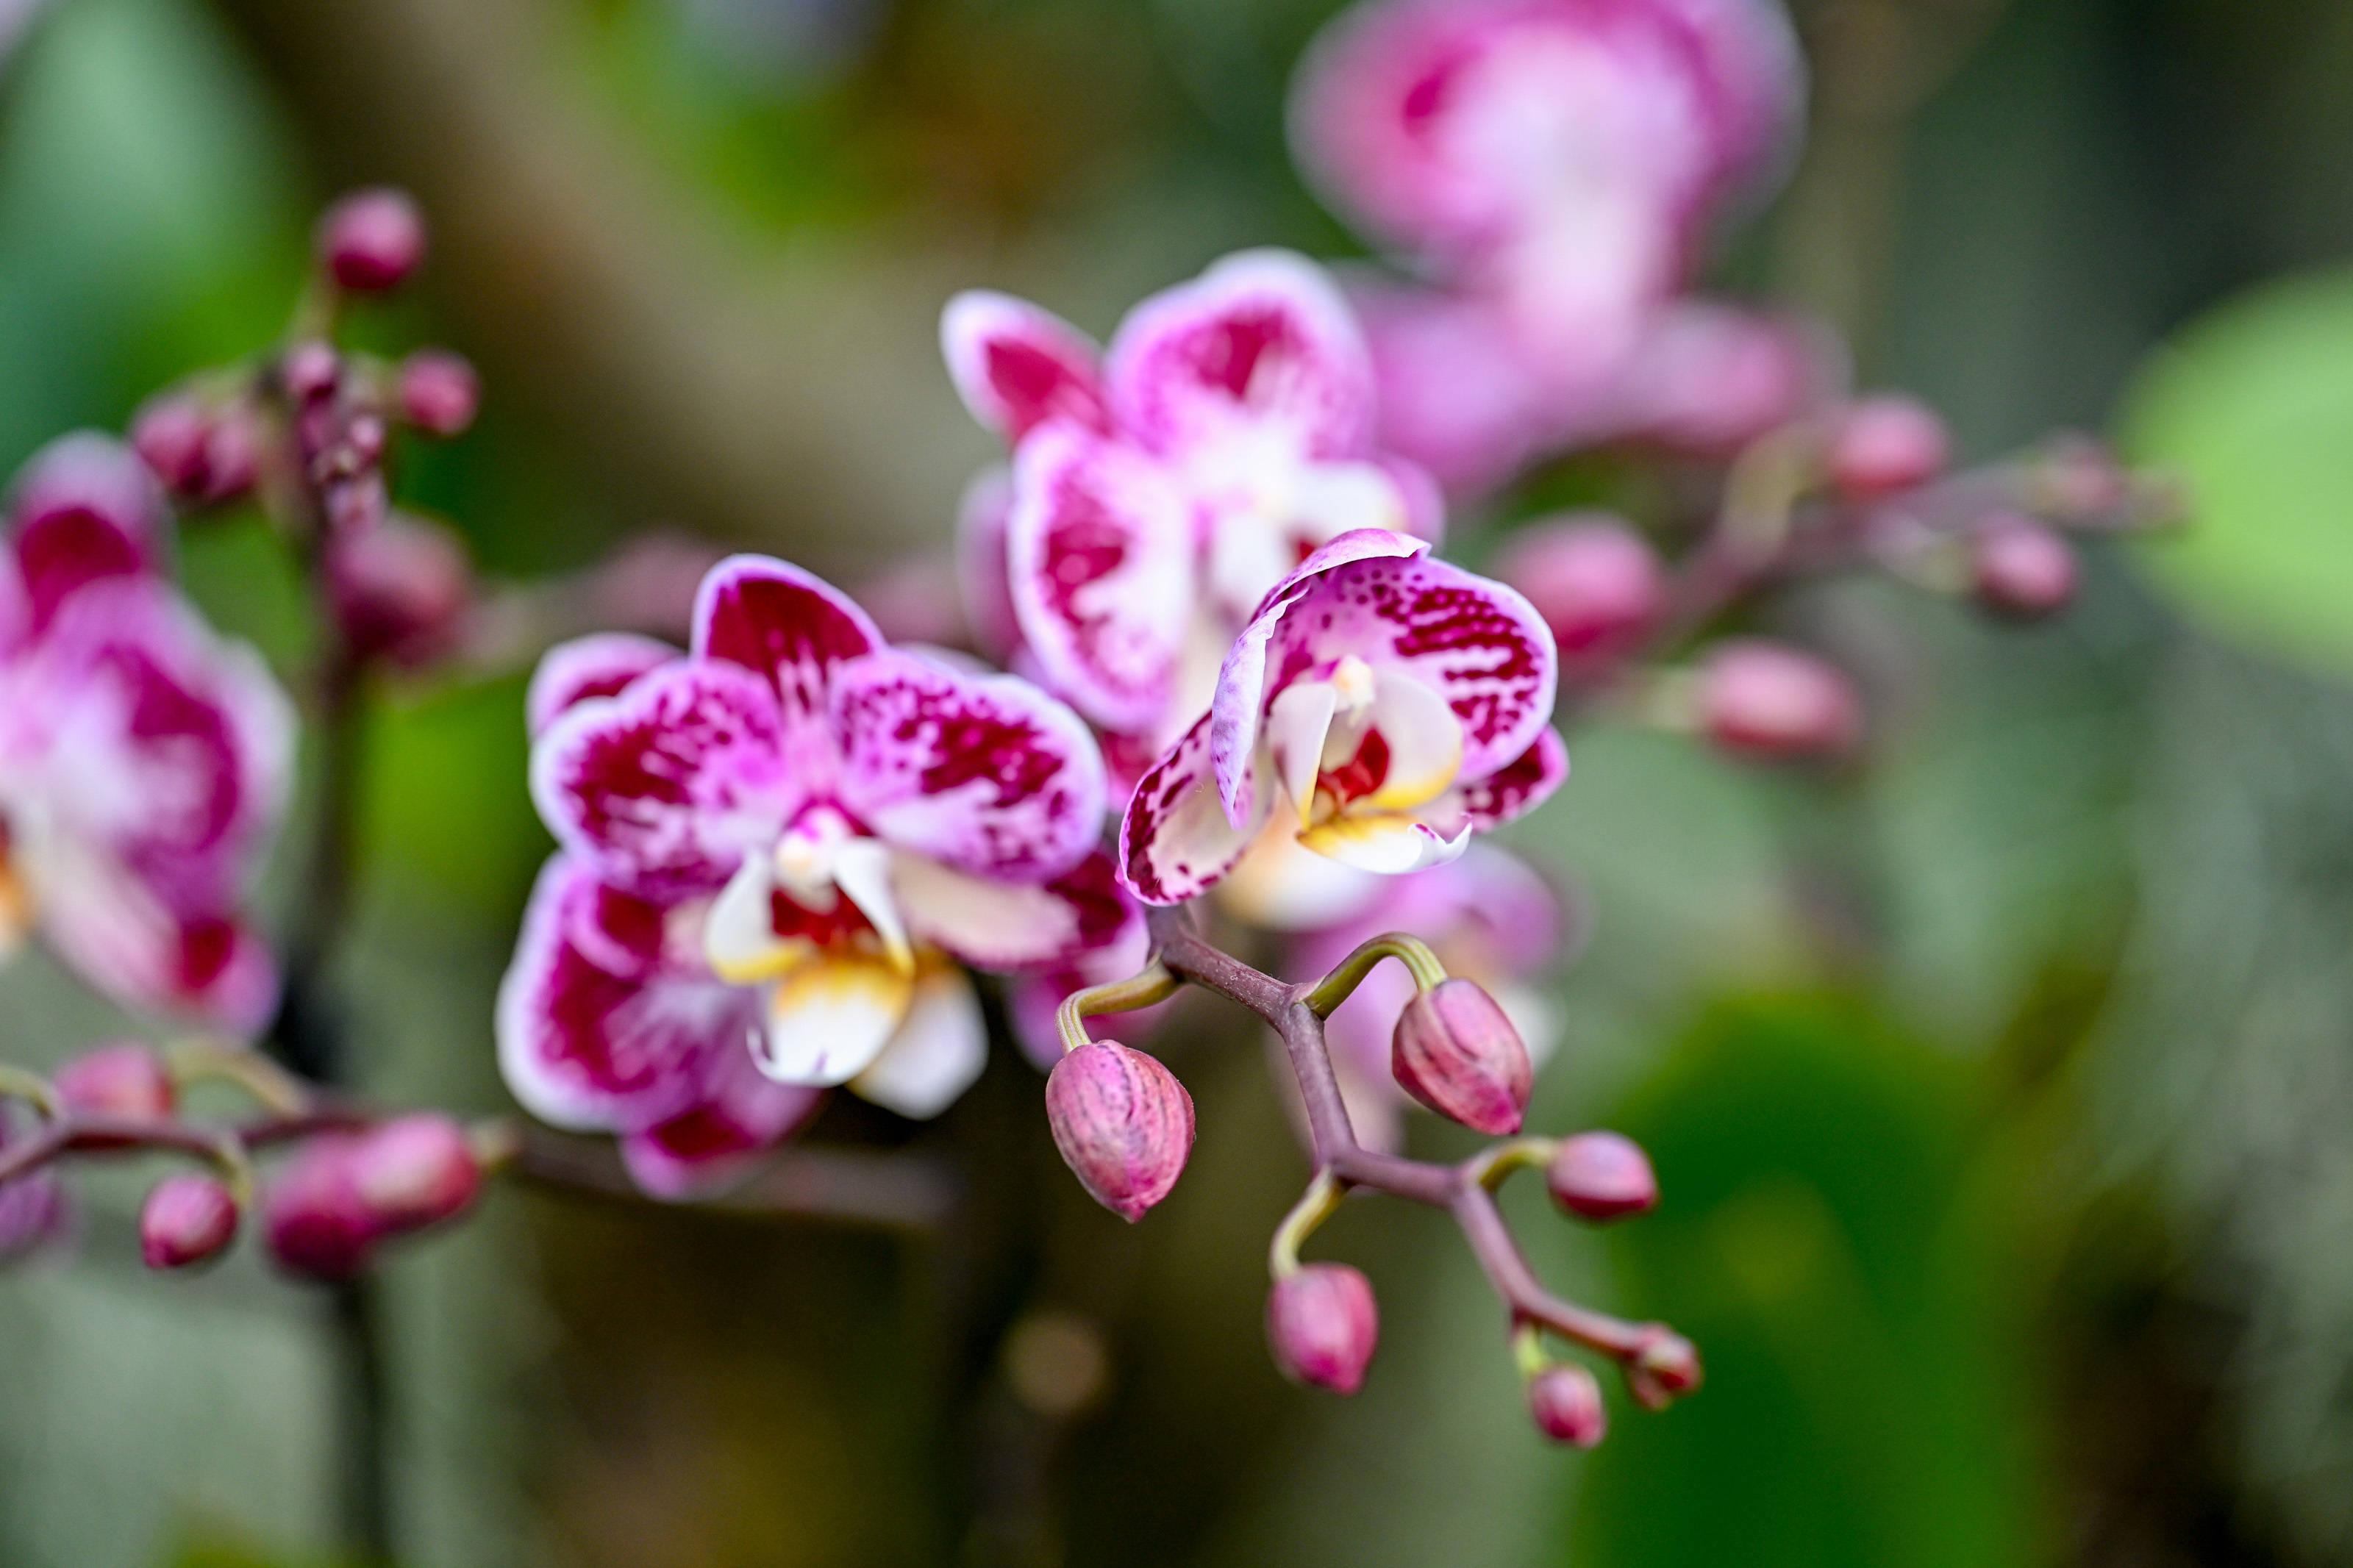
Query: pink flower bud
438	392
170	434
399	589
1666	1368
2081	478
1601	1176
1885	445
1323	1326
1566	1404
1455	1052
35	1213
1594	580
414	1171
371	240
1123	1122
313	1219
126	1081
1771	703
186	1219
2023	569
309	372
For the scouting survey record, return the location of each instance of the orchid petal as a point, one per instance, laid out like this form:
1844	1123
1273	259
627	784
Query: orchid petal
1011	925
739	934
667	788
83	511
738	1116
1512	790
1298	721
1175	839
828	1019
862	869
786	625
985	773
984	563
1423	737
938	1052
1102	556
1261	338
1017	367
600	665
1389	843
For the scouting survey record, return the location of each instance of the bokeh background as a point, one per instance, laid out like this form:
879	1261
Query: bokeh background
2002	1091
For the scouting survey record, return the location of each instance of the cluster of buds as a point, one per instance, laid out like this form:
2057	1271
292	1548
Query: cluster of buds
343	1195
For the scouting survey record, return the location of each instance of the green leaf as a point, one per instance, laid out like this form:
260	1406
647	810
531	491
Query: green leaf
2252	408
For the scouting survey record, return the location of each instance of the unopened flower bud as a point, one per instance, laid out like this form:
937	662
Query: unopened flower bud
1594	580
1566	1404
186	1219
1322	1326
371	240
399	589
358	505
126	1081
1601	1176
2081	479
35	1214
438	392
1665	1369
1124	1123
309	372
313	1220
414	1171
1771	703
170	434
2021	568
1885	445
1456	1052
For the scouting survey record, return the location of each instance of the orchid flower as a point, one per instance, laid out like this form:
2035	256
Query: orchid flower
142	760
1379	708
785	837
1160	488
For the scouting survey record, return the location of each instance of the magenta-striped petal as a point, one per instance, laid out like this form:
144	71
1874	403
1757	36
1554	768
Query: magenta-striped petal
986	774
121	934
600	1026
668	787
1378	597
1017	367
1512	790
600	665
84	509
1262	339
1103	558
783	623
1175	839
1011	926
738	1115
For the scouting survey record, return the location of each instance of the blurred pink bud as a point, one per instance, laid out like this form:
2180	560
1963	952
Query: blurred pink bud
364	440
2021	568
1593	579
1666	1368
186	1219
126	1081
309	370
313	1219
2081	478
1566	1404
1124	1123
1771	703
1323	1326
170	434
1456	1052
1601	1176
34	1214
399	589
438	392
414	1171
232	456
371	240
1885	445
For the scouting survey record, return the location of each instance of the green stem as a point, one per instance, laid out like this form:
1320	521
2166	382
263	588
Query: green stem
1156	984
1341	984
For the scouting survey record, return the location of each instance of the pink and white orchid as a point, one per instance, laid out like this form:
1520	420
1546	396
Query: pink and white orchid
1160	488
779	840
142	760
1380	706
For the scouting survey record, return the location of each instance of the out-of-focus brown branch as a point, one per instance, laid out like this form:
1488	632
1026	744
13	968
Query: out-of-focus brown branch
746	391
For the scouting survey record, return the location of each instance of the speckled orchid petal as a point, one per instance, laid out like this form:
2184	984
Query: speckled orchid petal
1378	597
786	625
940	1050
668	787
121	933
1262	339
1175	840
1012	926
828	1019
1017	367
84	509
1101	551
1512	790
984	773
737	1116
600	1022
600	665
